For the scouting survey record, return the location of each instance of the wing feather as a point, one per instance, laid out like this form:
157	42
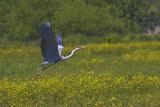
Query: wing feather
49	46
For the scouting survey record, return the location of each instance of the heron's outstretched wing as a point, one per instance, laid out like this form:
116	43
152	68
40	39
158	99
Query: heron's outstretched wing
59	39
49	47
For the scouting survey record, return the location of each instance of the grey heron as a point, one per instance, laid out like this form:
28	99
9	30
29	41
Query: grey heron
51	46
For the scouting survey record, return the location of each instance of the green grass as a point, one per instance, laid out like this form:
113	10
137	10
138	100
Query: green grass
24	61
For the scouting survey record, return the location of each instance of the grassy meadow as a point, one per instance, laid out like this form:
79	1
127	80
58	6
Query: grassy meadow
102	74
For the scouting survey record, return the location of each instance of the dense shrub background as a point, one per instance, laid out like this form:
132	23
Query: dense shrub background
20	19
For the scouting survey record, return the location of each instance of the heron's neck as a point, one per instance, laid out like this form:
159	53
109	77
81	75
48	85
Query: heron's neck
72	53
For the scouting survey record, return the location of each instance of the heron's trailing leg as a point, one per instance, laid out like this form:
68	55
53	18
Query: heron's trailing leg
41	71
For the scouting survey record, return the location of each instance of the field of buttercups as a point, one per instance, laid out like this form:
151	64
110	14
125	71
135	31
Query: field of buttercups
114	75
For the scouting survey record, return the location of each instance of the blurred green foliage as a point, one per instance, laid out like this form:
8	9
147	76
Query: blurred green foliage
20	19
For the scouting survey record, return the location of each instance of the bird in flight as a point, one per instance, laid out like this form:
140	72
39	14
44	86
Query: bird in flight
51	46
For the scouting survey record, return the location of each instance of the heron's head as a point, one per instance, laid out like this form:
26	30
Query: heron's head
77	48
81	47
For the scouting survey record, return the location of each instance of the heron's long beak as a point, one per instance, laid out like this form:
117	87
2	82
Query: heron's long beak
82	47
